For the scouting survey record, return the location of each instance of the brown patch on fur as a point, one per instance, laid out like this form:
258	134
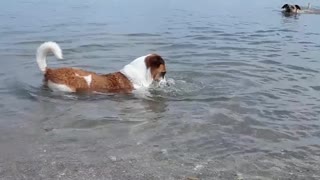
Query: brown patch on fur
157	66
73	78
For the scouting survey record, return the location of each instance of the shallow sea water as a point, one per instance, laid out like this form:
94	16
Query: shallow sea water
243	100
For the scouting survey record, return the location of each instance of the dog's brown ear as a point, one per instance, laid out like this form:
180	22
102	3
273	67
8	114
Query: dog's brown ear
298	7
285	6
154	61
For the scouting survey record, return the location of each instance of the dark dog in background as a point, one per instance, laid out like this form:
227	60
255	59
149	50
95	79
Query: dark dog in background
290	8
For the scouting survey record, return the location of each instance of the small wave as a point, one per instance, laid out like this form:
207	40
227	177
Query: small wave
89	123
317	88
177	89
299	68
142	35
43	93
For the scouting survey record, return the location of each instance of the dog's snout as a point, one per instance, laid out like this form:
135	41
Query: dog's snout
163	73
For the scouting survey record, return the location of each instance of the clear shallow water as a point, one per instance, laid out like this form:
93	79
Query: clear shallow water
245	102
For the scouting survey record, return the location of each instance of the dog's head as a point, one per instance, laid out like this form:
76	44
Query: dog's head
157	67
143	71
289	8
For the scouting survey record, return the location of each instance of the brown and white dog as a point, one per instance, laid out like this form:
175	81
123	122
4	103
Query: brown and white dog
140	73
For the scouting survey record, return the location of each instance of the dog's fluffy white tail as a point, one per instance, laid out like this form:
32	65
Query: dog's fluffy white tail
42	52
